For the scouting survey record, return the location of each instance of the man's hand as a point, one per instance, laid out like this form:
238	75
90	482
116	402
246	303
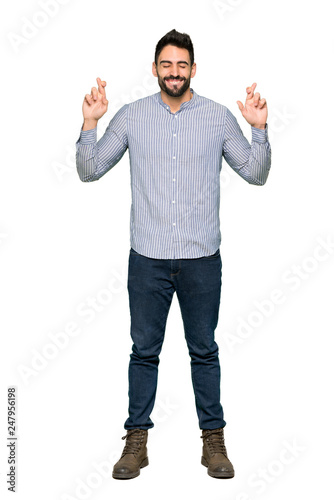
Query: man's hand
95	105
255	110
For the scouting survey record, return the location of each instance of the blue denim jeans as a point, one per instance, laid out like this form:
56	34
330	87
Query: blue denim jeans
151	285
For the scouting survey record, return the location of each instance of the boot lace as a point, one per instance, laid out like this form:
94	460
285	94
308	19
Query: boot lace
215	441
134	439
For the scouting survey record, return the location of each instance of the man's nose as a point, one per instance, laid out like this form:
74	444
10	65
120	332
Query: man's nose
175	71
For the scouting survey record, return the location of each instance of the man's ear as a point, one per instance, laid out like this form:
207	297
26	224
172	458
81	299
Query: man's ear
154	69
193	70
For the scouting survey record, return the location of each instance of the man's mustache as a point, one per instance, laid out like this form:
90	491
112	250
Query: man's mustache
174	78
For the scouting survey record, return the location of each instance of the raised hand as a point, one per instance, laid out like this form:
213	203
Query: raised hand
255	110
95	104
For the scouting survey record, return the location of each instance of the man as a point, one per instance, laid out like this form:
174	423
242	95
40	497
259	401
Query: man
176	141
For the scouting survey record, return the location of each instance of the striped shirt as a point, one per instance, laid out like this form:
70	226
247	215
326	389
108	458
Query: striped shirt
175	164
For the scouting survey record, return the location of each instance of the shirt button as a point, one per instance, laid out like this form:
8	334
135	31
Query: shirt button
173	223
174	180
174	157
173	201
174	135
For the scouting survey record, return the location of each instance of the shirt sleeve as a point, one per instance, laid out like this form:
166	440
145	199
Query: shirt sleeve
95	158
251	161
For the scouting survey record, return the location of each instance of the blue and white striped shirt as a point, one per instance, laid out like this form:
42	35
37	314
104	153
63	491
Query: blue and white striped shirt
175	164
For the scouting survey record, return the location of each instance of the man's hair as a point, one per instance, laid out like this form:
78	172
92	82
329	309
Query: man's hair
177	39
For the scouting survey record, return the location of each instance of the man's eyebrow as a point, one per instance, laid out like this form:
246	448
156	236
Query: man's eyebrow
178	62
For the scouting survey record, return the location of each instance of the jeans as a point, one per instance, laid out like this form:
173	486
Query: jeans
151	285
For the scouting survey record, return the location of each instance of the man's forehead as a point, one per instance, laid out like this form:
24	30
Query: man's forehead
174	54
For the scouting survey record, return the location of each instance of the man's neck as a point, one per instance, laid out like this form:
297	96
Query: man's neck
175	102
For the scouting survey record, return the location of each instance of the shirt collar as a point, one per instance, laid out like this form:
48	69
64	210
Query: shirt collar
183	105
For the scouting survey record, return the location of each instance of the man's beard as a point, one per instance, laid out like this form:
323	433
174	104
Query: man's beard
174	91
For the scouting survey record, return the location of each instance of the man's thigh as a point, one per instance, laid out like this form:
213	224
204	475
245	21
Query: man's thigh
150	296
198	291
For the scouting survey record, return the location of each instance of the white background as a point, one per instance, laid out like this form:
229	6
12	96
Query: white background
64	243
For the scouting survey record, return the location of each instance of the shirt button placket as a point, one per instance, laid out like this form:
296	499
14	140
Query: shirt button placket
174	170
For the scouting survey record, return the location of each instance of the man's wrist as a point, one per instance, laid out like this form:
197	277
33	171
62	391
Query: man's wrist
89	124
261	126
259	134
88	136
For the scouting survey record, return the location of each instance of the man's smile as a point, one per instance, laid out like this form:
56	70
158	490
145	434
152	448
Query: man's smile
174	80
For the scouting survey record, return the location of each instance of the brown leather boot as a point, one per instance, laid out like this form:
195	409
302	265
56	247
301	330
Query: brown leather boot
134	456
214	455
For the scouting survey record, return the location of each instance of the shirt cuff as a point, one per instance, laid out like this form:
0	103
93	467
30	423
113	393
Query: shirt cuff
259	134
88	136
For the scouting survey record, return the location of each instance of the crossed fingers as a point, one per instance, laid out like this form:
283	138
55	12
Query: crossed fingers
257	101
97	93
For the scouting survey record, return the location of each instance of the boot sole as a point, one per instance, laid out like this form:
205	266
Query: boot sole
131	475
219	475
